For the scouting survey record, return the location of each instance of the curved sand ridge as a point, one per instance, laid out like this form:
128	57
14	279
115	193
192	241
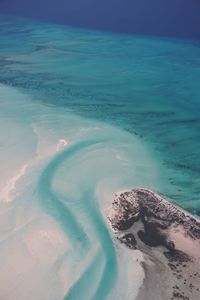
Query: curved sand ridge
169	238
57	180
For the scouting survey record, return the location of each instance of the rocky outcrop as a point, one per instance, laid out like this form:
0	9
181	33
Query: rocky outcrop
168	237
125	211
155	212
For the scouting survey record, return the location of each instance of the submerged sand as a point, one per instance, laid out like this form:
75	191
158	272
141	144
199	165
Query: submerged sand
169	239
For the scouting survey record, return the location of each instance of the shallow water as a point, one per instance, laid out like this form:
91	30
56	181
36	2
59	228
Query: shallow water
59	175
84	115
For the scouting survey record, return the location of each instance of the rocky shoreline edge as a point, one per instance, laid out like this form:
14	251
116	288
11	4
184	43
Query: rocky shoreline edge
169	238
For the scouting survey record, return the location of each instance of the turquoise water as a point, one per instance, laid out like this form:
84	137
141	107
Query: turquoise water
84	115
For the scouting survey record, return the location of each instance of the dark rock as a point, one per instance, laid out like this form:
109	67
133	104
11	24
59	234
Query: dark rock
177	256
129	240
170	245
155	212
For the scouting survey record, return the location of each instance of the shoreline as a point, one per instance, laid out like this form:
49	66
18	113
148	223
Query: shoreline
169	239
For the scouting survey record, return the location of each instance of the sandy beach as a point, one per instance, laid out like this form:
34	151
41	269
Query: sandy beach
169	239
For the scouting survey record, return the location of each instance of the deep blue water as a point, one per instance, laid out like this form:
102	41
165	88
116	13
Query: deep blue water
177	18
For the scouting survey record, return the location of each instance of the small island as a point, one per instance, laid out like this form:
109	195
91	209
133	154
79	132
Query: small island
168	237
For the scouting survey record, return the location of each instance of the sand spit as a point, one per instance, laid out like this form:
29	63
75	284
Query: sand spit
168	237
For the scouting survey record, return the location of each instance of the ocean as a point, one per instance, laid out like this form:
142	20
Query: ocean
85	115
